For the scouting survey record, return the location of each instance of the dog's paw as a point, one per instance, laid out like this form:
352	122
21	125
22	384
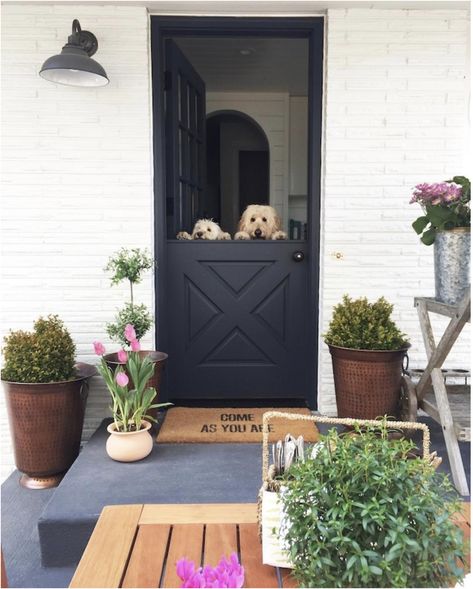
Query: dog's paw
225	236
242	235
183	235
279	235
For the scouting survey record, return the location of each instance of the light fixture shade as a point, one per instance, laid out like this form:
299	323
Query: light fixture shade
74	66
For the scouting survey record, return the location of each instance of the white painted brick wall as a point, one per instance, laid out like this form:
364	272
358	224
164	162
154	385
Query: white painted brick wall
77	169
77	176
397	93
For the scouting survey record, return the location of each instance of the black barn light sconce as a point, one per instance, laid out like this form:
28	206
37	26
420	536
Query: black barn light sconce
74	65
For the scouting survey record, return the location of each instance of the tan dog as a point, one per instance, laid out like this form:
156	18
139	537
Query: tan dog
205	229
260	222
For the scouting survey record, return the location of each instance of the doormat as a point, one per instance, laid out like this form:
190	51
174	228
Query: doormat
226	425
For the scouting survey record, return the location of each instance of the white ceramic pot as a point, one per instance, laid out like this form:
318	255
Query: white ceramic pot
129	446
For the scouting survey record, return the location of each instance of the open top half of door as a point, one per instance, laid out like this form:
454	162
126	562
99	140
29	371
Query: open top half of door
185	140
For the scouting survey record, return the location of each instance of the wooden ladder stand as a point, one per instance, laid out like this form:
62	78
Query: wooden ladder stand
452	411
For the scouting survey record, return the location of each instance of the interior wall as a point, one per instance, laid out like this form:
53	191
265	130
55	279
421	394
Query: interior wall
271	112
235	136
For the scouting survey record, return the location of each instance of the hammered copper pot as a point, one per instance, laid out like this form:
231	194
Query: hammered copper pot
367	382
159	360
46	421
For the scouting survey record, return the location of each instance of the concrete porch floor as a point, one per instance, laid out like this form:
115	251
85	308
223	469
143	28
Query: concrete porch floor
22	509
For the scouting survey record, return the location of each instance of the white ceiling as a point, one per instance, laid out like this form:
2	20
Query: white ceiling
272	65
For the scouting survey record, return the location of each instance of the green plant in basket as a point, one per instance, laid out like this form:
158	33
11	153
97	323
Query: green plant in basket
359	324
363	514
47	354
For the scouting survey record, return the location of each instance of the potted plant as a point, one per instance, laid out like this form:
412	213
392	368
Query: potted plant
362	514
46	394
446	224
367	350
130	265
129	438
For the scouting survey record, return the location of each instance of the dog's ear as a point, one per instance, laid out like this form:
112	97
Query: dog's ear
277	222
242	222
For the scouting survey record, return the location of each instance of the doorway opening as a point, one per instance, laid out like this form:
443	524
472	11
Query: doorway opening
237	167
237	116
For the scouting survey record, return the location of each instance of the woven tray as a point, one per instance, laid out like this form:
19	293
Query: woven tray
268	472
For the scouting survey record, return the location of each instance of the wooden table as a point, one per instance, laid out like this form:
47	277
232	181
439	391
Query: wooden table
138	545
452	411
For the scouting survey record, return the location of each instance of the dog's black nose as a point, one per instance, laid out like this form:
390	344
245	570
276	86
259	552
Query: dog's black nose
199	233
257	232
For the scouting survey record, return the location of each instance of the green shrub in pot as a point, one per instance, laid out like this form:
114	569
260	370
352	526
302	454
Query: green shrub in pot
361	325
47	354
46	394
367	350
360	514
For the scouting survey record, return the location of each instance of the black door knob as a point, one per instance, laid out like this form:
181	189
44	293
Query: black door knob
298	256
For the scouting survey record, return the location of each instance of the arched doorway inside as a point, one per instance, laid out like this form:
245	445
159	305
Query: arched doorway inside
237	167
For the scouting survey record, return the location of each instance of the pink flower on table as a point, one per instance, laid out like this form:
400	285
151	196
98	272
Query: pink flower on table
135	345
185	568
130	333
228	573
99	348
122	379
122	357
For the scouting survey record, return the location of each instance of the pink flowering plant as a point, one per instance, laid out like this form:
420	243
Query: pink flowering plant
129	405
228	573
446	205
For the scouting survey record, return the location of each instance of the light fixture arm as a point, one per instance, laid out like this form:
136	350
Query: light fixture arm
83	39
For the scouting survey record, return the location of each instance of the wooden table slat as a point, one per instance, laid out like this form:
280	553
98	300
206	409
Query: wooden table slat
186	541
199	513
257	574
104	560
119	538
147	558
220	540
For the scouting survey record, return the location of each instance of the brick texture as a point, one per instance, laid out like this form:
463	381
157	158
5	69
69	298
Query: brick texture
397	92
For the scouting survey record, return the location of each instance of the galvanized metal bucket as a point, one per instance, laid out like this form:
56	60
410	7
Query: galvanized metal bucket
452	264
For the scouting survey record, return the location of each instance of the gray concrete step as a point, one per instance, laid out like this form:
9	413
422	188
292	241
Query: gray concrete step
172	473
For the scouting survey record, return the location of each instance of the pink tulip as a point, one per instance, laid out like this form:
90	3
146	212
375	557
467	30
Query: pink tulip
122	379
122	357
130	333
99	348
135	345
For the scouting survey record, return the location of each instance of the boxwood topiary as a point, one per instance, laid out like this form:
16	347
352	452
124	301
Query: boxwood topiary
44	355
362	325
360	514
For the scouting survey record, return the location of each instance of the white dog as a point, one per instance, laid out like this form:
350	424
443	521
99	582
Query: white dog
260	222
205	229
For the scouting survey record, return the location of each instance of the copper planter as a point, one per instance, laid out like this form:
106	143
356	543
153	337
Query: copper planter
367	382
159	360
46	421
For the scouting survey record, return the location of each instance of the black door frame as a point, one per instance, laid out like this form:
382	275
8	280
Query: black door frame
177	26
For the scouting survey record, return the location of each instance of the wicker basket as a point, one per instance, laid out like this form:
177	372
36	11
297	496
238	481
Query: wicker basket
270	509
